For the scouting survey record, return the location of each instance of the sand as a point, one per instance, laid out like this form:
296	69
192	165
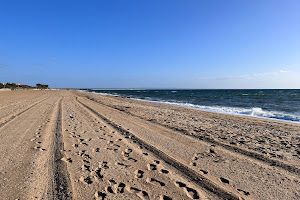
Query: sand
65	144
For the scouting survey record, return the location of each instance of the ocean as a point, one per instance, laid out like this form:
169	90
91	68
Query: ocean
272	104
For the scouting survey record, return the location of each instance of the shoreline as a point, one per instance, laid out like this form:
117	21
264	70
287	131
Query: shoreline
139	108
197	107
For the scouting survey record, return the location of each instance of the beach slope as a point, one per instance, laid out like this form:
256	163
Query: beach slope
66	144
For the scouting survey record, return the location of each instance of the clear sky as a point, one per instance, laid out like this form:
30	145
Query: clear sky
151	43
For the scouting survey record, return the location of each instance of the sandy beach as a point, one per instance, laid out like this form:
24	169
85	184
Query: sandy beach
64	144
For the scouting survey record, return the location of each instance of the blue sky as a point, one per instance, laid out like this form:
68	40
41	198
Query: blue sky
151	44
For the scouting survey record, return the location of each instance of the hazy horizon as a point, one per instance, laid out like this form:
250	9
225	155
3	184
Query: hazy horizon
175	89
156	44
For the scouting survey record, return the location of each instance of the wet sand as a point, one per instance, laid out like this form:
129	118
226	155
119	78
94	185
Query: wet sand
65	144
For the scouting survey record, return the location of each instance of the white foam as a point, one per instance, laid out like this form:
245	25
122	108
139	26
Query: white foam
254	112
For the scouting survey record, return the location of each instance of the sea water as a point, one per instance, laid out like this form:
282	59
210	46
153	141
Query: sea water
274	104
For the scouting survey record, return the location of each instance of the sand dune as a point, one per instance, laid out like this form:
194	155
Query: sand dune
72	145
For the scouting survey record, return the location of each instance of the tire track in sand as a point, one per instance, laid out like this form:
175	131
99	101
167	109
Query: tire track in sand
234	149
21	112
190	174
62	184
16	102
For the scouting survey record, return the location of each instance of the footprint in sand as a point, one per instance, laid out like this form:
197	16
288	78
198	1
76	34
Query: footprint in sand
85	161
100	195
86	180
164	171
65	159
81	153
109	189
103	165
122	165
143	195
125	154
87	156
85	168
131	159
156	161
133	190
37	147
244	192
138	173
112	182
224	180
163	197
151	166
179	184
119	188
155	182
80	140
84	143
128	151
190	192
